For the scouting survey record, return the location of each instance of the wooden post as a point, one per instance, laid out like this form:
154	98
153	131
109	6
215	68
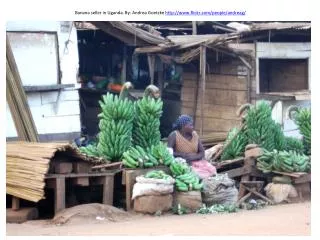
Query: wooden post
151	63
124	65
160	76
248	86
194	28
60	194
203	82
108	190
249	164
15	203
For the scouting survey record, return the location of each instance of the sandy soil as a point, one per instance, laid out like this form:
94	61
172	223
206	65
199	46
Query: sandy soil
290	219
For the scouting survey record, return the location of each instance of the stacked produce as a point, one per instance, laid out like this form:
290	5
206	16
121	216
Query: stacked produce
303	119
146	127
90	150
236	147
116	123
157	174
161	153
261	129
279	138
284	161
294	144
186	179
137	157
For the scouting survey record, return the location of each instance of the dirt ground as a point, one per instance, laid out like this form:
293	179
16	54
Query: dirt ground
289	219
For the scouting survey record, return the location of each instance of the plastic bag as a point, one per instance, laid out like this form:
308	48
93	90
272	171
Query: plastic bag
142	179
210	153
219	190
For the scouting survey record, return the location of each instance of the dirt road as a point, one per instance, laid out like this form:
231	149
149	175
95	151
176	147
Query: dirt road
290	219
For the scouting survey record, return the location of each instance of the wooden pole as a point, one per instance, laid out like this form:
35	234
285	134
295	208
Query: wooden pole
151	62
17	99
15	203
160	76
194	28
248	85
203	58
124	65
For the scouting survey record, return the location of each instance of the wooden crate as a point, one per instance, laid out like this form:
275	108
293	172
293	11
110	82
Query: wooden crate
129	179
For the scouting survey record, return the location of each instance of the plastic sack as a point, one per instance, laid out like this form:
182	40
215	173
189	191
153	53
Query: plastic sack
219	190
142	179
143	189
210	153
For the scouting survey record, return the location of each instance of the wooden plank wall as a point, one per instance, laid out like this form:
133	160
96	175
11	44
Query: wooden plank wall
226	91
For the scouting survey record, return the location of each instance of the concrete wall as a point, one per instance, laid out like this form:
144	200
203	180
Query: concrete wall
52	115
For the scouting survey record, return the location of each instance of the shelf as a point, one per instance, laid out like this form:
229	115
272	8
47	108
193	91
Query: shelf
47	88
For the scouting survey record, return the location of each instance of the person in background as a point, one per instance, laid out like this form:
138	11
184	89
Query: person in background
186	144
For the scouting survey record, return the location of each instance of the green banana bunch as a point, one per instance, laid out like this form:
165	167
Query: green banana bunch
295	144
237	147
114	108
146	128
261	129
116	124
186	179
137	157
283	161
161	153
303	120
90	150
188	182
178	168
158	174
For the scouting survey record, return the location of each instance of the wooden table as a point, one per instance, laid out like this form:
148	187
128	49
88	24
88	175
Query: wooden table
244	168
129	179
57	182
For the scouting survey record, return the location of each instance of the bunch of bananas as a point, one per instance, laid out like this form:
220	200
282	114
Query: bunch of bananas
284	161
137	157
116	124
161	153
158	174
294	144
261	129
178	168
90	150
237	147
303	120
188	182
114	108
147	122
186	179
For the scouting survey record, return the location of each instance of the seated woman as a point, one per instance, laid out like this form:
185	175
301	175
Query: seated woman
186	144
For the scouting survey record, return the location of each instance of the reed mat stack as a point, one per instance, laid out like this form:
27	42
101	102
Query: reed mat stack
28	163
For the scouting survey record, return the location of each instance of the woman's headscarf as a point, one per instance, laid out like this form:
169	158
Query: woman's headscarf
181	121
